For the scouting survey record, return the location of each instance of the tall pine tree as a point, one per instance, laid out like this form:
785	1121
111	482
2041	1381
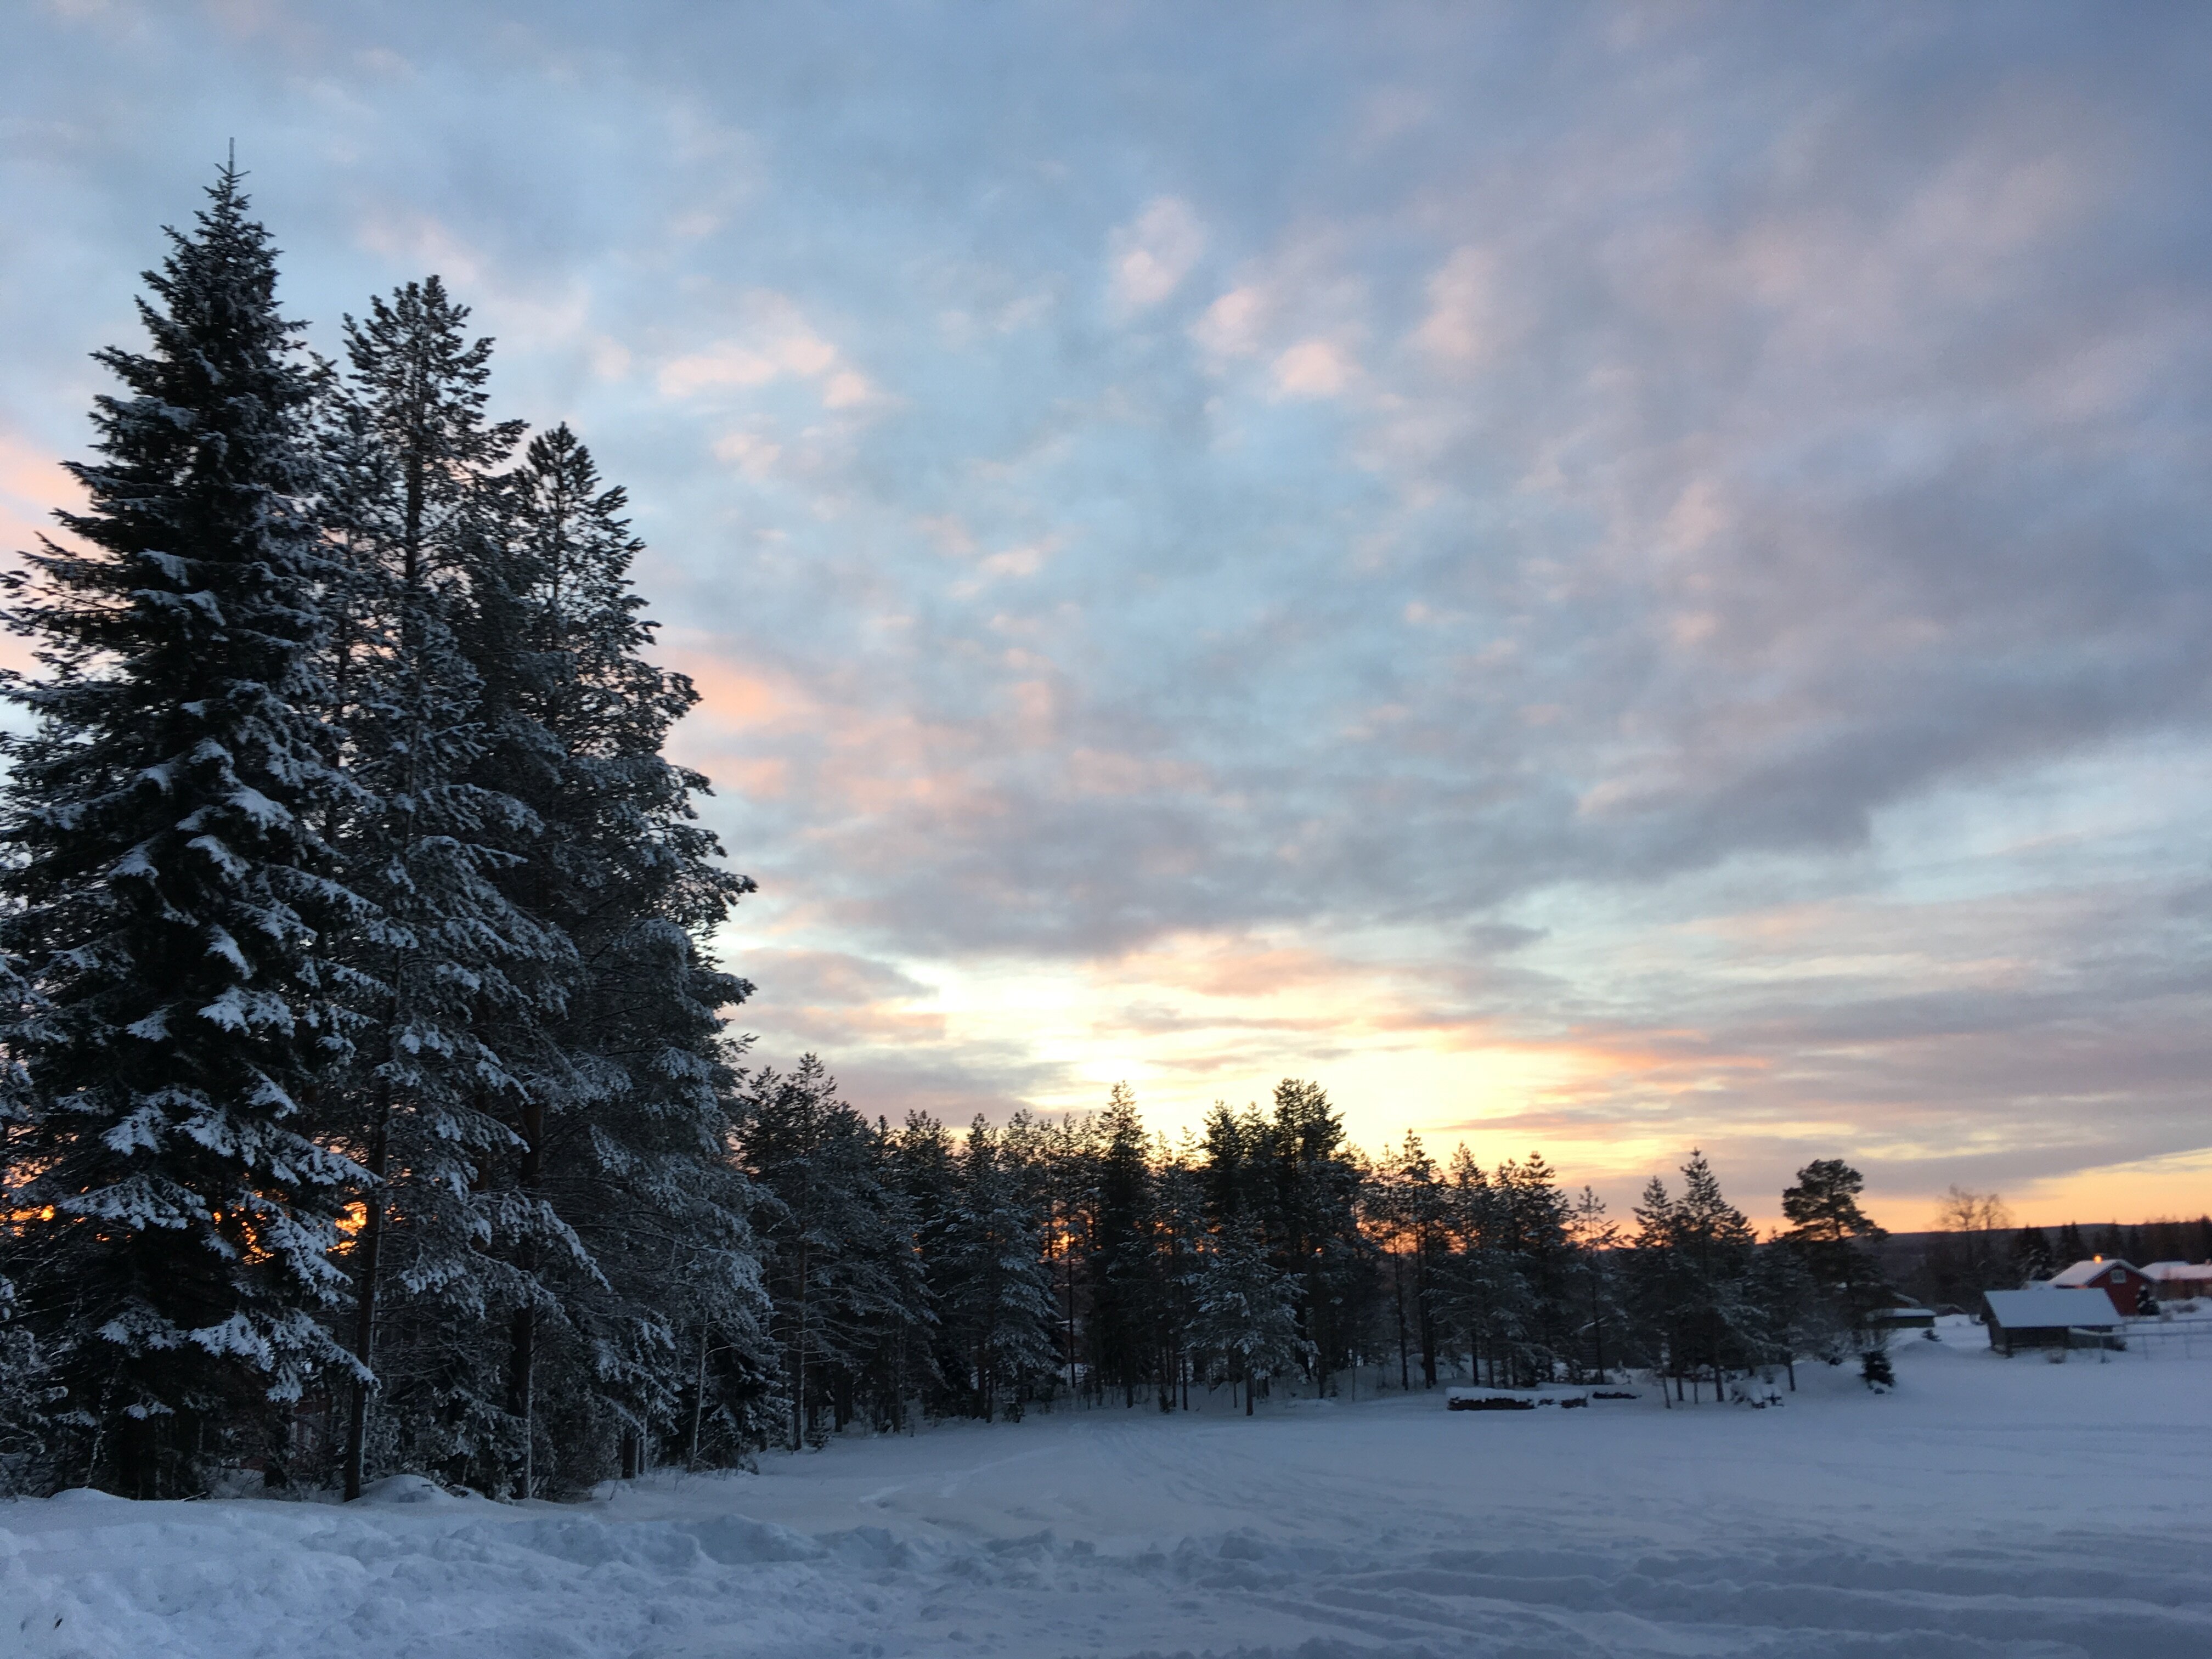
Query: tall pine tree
171	896
1831	1235
1120	1262
621	1125
456	963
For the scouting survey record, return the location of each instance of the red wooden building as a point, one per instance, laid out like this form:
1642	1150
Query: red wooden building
2123	1282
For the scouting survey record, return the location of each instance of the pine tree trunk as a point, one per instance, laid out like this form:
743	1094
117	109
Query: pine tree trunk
1067	1261
1424	1319
522	1341
380	1158
699	1395
522	1357
798	1362
365	1293
1398	1291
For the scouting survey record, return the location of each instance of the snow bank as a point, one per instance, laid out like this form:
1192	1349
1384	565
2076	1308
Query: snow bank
1988	1507
409	1489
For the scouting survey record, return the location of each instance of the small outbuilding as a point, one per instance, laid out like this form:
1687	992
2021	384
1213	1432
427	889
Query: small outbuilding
2048	1318
2123	1282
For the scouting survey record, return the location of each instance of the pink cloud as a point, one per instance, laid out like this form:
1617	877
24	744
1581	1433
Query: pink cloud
777	343
1151	255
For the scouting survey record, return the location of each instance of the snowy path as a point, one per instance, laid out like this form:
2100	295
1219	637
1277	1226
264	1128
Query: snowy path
1989	1507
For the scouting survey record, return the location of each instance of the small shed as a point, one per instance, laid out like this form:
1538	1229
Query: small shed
2046	1318
2123	1282
2178	1281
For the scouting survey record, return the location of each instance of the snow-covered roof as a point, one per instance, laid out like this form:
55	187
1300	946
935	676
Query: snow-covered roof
2165	1270
2045	1309
2082	1272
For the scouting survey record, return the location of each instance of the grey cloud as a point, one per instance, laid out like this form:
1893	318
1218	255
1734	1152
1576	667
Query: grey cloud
829	978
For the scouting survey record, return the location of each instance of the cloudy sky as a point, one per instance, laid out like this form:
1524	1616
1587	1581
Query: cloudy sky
1602	580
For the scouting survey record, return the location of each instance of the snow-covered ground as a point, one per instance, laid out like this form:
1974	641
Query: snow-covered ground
1986	1507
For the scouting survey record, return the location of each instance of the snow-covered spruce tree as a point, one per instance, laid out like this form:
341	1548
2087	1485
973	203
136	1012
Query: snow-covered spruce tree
922	1166
622	1127
439	1257
1717	1245
1482	1291
1696	1290
1048	1157
171	899
1658	1290
28	1394
1594	1284
834	1233
1066	1174
2031	1256
1316	1229
1245	1321
27	1399
1403	1205
995	1288
1120	1264
1534	1215
1790	1315
1179	1238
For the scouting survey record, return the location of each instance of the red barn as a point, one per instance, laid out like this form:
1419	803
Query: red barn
2123	1282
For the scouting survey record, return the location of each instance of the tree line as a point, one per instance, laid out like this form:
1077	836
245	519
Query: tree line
910	1271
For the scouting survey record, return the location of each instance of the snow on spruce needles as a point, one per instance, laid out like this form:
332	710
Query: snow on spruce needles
1988	1507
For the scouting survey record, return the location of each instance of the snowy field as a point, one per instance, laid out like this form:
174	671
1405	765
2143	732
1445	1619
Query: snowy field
1987	1507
